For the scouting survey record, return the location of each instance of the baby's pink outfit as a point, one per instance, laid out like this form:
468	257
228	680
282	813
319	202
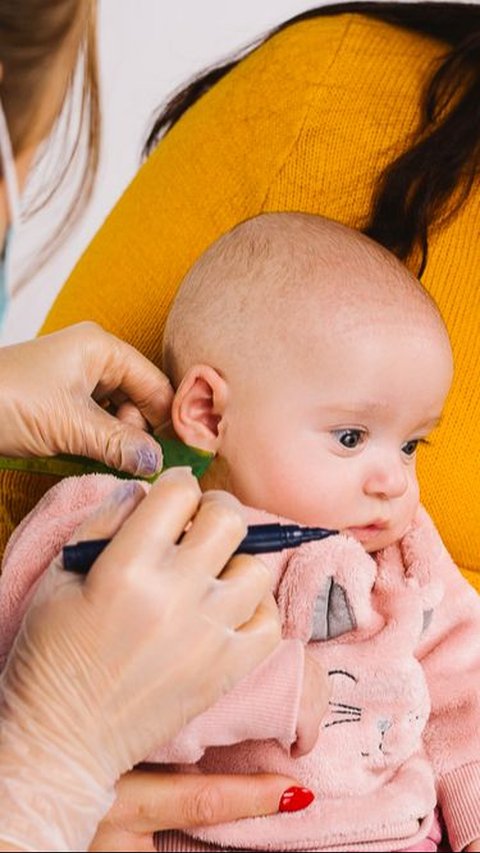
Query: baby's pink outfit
398	634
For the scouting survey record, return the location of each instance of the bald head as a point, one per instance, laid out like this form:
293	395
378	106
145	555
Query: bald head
261	289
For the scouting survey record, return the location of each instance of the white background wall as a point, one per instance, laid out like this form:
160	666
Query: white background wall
147	48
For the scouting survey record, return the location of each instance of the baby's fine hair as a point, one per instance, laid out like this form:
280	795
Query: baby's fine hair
268	273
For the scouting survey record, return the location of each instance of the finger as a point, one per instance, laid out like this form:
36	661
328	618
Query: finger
128	413
144	384
103	523
108	518
262	620
236	596
114	398
156	525
258	637
218	529
118	445
305	741
149	800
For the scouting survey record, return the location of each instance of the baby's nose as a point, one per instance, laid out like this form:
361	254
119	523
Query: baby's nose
388	479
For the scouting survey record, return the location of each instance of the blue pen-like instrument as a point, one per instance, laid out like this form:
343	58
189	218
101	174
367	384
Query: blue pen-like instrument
260	539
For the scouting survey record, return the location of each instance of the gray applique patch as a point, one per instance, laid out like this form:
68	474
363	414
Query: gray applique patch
427	618
332	613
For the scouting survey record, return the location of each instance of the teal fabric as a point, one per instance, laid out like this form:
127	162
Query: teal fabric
3	279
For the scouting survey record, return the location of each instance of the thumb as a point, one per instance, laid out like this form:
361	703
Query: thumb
119	444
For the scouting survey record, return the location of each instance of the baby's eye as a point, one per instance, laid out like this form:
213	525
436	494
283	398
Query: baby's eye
410	447
350	438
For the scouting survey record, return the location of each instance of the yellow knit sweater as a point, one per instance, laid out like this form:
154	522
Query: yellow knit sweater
306	122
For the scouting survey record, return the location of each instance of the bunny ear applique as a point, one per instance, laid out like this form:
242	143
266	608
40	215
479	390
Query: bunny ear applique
332	613
318	586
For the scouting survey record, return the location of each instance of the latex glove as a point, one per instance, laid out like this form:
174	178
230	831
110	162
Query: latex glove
149	800
106	667
55	388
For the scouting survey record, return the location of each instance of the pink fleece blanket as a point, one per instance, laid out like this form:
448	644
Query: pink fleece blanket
399	636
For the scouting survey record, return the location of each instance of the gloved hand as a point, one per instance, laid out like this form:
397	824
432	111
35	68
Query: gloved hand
55	388
106	667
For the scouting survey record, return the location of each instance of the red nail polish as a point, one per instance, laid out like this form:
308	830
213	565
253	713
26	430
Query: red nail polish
294	799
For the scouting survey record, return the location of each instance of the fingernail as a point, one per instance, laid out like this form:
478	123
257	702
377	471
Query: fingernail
147	461
294	799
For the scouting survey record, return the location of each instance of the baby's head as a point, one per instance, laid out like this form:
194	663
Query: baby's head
313	364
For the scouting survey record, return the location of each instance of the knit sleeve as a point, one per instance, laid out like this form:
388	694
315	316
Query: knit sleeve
262	706
450	655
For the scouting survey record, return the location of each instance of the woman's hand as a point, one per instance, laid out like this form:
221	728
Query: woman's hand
313	705
150	800
54	394
107	667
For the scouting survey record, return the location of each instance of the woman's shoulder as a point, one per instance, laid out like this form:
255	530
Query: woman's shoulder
311	47
327	74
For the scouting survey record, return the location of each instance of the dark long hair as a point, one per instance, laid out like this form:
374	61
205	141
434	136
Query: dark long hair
433	178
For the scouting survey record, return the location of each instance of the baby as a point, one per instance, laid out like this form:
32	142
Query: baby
313	365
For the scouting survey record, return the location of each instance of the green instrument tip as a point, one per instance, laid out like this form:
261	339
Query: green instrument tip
174	453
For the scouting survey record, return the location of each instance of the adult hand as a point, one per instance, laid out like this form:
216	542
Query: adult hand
313	705
106	667
150	800
55	390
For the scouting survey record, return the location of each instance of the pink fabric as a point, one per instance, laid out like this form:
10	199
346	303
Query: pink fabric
410	642
38	539
431	842
178	841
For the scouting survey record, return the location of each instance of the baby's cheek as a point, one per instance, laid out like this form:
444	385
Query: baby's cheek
264	488
412	501
403	513
308	505
414	488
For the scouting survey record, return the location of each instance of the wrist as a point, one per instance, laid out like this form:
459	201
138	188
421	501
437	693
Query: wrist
48	801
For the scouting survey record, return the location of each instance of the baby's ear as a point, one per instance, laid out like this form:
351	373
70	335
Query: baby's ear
199	406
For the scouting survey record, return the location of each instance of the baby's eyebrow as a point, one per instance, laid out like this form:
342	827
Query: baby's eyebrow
374	407
360	408
430	422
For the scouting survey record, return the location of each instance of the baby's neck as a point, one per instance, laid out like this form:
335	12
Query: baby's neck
216	476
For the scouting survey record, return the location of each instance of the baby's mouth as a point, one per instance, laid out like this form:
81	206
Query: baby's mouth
365	532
